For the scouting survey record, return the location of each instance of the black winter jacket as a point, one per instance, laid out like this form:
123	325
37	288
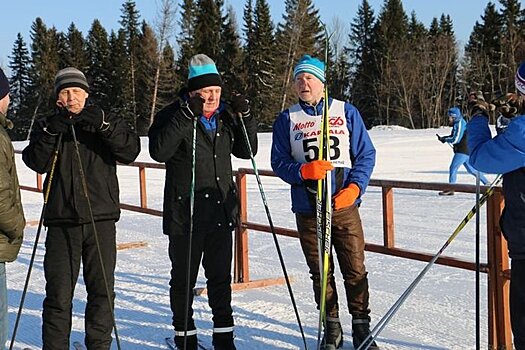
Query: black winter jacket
99	153
215	201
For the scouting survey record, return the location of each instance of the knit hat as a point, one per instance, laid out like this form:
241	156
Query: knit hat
202	73
312	65
520	78
4	85
70	77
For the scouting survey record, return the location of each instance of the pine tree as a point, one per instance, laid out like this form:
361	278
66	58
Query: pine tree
299	33
145	77
229	61
169	79
19	110
99	68
208	25
363	70
129	21
513	40
76	55
185	40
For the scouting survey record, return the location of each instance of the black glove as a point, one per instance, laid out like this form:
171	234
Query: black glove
93	116
240	105
60	122
441	138
192	106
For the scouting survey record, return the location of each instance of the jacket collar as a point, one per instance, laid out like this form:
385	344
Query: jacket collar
4	122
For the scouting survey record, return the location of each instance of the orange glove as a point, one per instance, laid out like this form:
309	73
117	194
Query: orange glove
315	170
346	197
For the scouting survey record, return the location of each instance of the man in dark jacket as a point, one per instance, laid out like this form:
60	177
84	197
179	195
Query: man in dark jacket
212	217
81	226
505	154
12	220
458	140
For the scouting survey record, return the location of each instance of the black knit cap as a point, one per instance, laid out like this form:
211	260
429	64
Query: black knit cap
4	85
70	77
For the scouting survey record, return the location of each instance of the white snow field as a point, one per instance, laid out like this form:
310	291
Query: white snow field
439	314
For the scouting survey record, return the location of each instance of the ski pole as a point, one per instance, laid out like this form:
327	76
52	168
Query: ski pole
477	261
391	312
37	238
95	233
272	228
190	234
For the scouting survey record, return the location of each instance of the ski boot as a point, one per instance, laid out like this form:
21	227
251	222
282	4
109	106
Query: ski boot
223	341
360	331
333	334
191	342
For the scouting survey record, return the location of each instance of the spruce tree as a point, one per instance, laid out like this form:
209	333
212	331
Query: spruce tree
169	79
185	38
99	68
208	26
76	55
19	109
513	40
145	77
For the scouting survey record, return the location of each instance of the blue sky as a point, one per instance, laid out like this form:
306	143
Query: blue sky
18	15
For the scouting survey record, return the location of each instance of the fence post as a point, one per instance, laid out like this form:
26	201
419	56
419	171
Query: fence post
240	267
39	182
142	184
388	216
500	335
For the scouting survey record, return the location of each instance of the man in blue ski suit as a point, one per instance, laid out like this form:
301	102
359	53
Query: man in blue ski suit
458	140
294	159
505	154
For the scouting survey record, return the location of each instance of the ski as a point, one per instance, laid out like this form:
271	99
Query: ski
78	346
324	205
172	346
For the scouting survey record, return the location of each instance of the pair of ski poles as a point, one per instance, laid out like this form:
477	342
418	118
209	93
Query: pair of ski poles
47	191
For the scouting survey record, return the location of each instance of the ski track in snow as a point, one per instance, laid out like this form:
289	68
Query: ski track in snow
439	314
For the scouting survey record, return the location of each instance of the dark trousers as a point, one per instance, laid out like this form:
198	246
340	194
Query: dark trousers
66	247
517	306
215	249
349	245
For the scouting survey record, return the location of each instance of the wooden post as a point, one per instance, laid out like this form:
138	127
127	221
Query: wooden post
241	268
39	182
388	217
142	184
500	335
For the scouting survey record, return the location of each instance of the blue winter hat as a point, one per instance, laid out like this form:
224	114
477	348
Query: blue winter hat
312	65
520	78
454	112
4	85
202	73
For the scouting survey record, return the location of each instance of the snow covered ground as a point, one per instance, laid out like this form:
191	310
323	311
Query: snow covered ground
440	313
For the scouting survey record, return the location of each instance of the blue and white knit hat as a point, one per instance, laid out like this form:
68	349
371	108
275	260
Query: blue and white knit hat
312	65
454	112
202	73
520	78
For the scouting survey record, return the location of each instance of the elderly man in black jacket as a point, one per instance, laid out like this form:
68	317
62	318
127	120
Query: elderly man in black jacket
80	226
219	135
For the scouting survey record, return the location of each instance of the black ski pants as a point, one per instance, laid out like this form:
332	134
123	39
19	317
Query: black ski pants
349	245
517	305
66	247
214	247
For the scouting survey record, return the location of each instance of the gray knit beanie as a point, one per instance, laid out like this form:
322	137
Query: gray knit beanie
70	77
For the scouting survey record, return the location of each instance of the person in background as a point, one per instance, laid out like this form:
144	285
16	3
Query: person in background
458	140
505	154
103	140
352	159
219	135
12	221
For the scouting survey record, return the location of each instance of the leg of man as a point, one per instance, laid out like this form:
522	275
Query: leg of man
4	317
61	269
178	252
306	226
457	160
217	261
517	308
98	317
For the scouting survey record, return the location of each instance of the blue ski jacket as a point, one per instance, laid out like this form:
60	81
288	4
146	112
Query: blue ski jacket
504	154
457	137
362	153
